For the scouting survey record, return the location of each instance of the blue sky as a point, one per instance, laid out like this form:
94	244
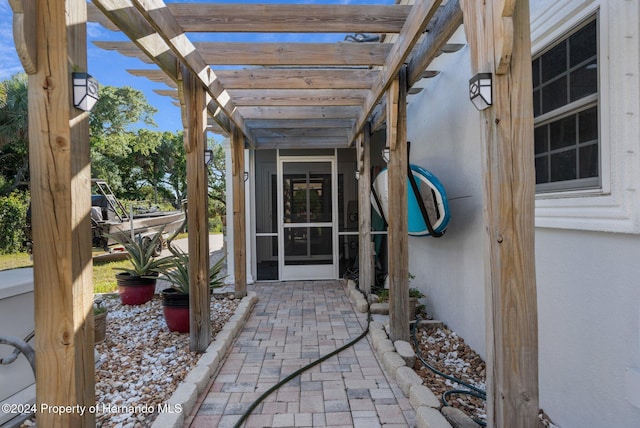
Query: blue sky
109	68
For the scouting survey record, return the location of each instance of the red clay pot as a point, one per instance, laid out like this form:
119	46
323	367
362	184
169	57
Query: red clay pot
135	290
175	306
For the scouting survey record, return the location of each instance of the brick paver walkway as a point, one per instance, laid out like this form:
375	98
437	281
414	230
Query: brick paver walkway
293	324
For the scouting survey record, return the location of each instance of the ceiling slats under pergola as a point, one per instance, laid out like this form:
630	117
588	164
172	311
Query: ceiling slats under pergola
289	93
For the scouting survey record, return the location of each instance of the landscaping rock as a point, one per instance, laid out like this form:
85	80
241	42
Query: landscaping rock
406	378
406	352
427	417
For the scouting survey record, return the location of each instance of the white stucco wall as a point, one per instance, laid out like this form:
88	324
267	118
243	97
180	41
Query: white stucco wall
588	316
587	242
444	130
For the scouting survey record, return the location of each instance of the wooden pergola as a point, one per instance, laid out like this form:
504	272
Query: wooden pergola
279	95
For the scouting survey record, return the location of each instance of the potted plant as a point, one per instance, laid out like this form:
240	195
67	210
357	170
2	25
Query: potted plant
100	321
175	299
137	284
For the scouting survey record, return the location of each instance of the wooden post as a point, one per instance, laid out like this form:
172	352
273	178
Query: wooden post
398	238
499	35
61	202
239	217
195	139
365	246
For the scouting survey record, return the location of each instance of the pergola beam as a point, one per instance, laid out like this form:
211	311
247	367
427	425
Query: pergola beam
297	97
444	24
413	28
280	18
298	78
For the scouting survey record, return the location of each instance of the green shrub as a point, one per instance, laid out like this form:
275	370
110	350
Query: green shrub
13	211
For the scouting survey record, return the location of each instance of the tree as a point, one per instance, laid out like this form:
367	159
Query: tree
14	134
217	182
116	148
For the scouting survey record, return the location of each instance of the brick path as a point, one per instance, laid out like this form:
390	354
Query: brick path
293	324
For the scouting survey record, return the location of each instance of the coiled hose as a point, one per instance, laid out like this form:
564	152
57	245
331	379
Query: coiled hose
301	370
472	390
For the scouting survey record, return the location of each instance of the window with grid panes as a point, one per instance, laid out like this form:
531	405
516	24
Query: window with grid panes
566	117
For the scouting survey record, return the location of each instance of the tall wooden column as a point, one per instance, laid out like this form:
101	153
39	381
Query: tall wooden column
195	141
365	246
398	238
499	36
61	202
239	216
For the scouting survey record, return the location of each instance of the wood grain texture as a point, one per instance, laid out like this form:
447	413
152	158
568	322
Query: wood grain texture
293	54
60	197
443	25
509	192
24	33
365	245
344	112
197	218
297	78
164	23
290	18
239	214
297	97
420	15
398	235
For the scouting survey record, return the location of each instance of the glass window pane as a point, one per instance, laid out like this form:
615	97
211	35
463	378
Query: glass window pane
535	68
563	133
563	166
542	169
554	95
537	108
541	140
588	125
554	62
584	81
267	257
320	197
583	44
321	241
589	161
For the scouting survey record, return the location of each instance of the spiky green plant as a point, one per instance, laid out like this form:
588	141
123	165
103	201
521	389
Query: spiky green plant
176	271
143	263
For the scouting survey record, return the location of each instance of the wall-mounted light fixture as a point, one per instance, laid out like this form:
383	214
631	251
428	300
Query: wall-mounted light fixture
246	176
357	174
208	156
385	154
480	90
85	91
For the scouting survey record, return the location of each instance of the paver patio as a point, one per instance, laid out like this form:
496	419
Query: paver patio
293	324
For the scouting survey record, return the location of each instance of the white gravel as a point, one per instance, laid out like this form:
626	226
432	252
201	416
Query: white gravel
141	362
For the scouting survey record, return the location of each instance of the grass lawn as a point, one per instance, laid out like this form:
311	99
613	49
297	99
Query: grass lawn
104	280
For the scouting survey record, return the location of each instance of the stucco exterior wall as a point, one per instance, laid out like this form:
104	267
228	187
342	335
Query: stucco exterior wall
444	130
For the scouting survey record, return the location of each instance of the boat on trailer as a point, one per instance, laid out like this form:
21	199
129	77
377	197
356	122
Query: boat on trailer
110	220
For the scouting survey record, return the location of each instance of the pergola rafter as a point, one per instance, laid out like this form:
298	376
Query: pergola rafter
266	82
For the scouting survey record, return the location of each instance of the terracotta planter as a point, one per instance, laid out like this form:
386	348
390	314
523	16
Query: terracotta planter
100	327
175	306
135	290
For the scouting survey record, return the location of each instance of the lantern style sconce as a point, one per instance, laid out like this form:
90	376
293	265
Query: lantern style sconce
480	90
85	91
246	176
385	154
357	174
208	157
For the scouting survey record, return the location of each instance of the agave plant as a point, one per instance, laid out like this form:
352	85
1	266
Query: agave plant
143	262
176	271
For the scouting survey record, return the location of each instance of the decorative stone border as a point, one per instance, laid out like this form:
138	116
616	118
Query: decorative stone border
184	398
398	359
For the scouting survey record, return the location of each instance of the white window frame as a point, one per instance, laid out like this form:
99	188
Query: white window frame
614	206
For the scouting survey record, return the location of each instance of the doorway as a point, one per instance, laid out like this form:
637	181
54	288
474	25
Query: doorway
307	191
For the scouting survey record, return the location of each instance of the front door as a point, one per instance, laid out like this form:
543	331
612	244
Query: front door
307	209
